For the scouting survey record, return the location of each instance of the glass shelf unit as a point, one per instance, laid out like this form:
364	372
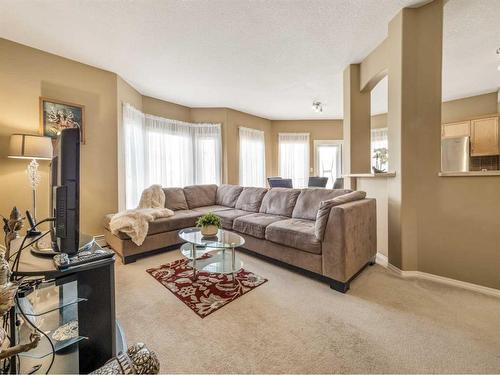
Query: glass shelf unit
48	297
200	251
218	262
52	309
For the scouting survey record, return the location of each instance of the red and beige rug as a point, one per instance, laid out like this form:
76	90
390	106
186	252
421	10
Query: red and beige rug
210	291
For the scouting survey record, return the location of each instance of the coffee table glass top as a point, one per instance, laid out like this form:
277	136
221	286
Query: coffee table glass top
223	240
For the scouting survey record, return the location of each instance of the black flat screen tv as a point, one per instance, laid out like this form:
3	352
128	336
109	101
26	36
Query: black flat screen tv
65	181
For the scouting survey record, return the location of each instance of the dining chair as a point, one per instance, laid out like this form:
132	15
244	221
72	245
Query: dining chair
280	182
317	182
339	183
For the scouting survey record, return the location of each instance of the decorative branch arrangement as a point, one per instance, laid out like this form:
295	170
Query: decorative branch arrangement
8	289
11	226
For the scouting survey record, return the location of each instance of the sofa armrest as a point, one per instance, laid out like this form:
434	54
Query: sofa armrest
350	240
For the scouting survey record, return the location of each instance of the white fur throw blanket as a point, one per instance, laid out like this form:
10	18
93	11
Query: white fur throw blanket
135	222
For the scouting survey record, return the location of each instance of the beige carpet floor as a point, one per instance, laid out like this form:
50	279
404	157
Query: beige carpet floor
294	324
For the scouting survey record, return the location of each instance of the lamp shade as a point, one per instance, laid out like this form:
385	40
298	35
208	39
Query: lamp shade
26	146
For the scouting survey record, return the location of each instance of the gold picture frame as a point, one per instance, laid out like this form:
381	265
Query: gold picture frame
56	114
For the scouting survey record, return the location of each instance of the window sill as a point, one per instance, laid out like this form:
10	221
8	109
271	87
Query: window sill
371	175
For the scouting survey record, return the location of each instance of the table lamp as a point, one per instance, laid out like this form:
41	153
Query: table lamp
34	147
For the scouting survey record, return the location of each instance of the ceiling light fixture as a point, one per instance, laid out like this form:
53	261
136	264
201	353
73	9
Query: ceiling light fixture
317	106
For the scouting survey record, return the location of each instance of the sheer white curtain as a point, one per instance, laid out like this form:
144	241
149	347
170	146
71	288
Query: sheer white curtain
379	141
252	157
167	152
207	142
294	157
134	150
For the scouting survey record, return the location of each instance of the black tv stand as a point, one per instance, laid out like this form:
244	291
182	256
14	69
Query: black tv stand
96	316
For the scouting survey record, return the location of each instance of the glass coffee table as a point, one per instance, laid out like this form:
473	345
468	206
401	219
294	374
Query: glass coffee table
212	254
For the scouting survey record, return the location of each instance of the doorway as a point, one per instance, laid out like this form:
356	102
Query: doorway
328	160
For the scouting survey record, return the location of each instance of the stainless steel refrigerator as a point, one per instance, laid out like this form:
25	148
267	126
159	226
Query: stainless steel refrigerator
455	155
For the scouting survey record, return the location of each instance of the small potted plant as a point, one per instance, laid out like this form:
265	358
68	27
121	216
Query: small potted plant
381	157
209	224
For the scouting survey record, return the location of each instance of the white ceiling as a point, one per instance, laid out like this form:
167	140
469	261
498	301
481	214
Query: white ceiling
269	58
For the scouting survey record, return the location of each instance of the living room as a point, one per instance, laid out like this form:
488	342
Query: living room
214	100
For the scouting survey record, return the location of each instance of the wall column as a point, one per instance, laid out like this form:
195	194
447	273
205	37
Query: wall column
414	123
357	136
498	101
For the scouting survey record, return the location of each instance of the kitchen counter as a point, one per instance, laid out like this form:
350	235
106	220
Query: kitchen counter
470	174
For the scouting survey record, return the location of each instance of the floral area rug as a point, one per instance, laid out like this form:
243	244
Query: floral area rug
209	291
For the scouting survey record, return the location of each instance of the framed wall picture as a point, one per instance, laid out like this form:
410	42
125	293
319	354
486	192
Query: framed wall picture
56	115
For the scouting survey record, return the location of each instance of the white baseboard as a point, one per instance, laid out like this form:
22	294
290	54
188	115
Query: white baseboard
384	262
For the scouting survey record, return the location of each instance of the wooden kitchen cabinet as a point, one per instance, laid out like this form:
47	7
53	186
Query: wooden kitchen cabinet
484	137
456	129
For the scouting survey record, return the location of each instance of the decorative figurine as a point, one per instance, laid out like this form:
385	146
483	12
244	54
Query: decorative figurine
11	226
137	360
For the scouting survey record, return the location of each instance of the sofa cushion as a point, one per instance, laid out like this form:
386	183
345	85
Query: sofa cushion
250	199
227	195
326	206
255	224
228	216
200	195
279	201
309	199
181	219
175	199
297	233
212	208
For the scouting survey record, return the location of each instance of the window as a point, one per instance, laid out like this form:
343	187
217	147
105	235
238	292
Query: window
294	157
328	160
133	149
252	157
167	152
379	149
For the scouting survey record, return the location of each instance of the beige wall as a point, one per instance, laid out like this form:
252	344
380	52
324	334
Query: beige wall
468	108
317	129
25	75
165	109
374	66
457	110
377	188
379	121
356	157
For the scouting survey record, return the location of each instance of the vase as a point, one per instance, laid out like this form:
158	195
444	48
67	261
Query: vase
209	230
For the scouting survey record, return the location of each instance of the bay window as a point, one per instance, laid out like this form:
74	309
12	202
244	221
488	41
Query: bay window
167	152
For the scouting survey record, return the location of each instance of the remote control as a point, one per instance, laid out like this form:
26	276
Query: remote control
63	261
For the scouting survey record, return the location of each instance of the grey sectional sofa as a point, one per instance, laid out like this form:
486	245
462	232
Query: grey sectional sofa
329	233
